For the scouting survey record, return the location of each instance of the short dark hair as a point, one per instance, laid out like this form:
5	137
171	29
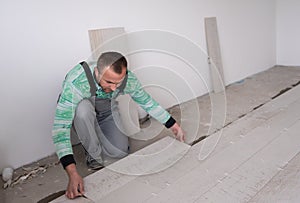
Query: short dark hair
114	60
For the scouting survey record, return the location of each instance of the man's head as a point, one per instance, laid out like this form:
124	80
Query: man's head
111	70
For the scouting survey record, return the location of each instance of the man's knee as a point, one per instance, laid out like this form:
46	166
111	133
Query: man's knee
84	110
119	151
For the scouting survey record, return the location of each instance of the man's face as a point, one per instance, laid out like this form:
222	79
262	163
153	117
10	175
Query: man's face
109	80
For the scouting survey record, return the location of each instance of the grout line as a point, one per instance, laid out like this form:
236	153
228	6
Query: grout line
282	92
286	89
243	115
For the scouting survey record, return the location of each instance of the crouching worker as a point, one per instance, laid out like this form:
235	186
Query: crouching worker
87	104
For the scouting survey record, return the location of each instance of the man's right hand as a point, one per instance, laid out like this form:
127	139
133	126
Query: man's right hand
75	185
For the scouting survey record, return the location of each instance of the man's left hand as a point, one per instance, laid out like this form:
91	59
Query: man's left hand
178	132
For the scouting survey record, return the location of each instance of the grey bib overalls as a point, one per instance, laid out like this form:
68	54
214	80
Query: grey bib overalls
98	126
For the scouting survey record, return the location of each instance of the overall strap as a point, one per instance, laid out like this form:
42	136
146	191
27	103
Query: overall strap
90	77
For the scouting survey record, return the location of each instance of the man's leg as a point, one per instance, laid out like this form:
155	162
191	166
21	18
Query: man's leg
114	142
85	124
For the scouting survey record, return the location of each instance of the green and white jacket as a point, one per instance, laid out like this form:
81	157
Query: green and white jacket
75	88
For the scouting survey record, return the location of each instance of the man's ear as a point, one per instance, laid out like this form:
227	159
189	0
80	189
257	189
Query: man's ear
96	72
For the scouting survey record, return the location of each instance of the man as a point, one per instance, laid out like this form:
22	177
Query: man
95	117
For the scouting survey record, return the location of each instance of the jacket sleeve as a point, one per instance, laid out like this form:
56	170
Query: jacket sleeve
142	98
73	86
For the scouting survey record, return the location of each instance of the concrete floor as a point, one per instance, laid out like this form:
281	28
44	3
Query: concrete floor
242	99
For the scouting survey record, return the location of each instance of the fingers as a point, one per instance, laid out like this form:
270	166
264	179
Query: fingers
75	191
180	136
75	185
81	188
69	194
178	132
183	137
72	194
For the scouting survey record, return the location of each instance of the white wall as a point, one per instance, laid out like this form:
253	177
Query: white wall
41	40
288	32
